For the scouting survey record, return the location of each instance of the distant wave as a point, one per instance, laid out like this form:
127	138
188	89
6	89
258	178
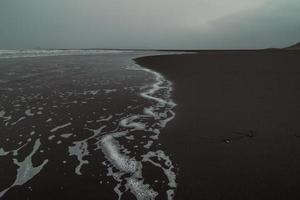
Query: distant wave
6	54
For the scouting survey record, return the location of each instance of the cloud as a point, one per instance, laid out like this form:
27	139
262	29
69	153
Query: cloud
148	24
273	24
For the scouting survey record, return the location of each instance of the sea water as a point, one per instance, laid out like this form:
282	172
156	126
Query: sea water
84	113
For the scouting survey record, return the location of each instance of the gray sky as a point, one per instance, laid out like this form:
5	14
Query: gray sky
179	24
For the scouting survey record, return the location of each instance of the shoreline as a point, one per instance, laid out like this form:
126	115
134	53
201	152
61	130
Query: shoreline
235	131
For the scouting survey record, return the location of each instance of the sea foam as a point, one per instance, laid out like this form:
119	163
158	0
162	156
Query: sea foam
126	164
26	171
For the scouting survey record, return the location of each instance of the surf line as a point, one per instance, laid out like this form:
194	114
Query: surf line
125	164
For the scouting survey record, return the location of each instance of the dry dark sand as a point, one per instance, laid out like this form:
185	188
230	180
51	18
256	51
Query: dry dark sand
236	134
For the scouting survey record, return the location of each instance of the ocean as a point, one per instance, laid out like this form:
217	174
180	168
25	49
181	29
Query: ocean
83	124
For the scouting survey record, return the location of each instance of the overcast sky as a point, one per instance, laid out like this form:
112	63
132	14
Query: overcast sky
179	24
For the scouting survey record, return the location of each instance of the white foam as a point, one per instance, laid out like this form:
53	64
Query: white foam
140	190
66	135
20	119
29	113
6	119
51	137
130	137
80	150
29	75
148	145
60	127
168	163
166	102
120	161
26	171
3	152
91	92
129	123
107	91
126	165
149	111
2	113
105	119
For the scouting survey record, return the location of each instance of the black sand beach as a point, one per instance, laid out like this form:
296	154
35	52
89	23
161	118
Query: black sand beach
236	134
94	126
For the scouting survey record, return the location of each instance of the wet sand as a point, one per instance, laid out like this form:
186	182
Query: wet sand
236	134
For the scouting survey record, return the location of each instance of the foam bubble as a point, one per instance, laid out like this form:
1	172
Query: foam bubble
107	91
3	152
20	119
148	145
167	168
140	190
120	161
80	150
129	123
60	127
2	113
126	165
66	135
29	113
